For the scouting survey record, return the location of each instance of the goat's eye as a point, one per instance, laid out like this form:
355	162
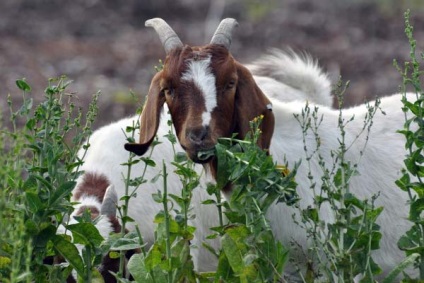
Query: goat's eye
169	92
231	84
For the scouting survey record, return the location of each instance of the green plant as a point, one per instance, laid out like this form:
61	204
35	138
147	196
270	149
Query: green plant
249	251
412	175
168	259
342	249
40	171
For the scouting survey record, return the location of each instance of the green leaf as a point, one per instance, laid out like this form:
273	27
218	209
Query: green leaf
127	219
223	174
96	277
23	85
155	178
233	245
312	214
157	197
85	234
205	155
130	129
137	268
31	226
224	268
404	182
417	207
63	191
47	231
409	261
209	201
125	244
69	252
180	157
154	257
34	202
410	242
26	107
148	161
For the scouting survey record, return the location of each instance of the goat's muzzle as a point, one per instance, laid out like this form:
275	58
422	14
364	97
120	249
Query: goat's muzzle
198	144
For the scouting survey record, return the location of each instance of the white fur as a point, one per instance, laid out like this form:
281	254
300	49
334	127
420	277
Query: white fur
200	74
106	154
286	76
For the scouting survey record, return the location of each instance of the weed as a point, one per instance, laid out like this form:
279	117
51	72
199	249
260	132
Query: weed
411	181
40	172
341	247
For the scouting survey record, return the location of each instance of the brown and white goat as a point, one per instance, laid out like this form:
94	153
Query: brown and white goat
210	95
95	193
283	75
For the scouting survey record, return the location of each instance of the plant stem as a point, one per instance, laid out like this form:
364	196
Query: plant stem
88	274
166	212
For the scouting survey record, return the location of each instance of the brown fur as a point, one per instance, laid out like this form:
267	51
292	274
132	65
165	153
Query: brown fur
93	184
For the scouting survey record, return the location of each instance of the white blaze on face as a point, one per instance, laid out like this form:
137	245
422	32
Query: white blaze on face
200	74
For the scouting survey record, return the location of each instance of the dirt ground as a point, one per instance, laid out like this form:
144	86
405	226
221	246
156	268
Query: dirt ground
103	45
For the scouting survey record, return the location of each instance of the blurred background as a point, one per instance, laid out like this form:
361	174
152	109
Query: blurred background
103	44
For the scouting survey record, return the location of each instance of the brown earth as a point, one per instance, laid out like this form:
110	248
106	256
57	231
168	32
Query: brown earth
103	45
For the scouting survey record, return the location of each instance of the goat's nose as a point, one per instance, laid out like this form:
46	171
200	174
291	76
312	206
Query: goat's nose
197	135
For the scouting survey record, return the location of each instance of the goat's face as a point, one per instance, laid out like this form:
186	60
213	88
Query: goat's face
209	95
199	87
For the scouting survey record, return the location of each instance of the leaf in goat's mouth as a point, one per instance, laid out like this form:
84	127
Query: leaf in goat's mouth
206	154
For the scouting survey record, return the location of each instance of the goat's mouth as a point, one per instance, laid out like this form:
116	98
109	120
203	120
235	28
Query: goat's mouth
201	155
206	154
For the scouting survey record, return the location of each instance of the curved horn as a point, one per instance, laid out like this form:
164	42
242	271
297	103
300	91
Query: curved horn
223	33
110	200
167	35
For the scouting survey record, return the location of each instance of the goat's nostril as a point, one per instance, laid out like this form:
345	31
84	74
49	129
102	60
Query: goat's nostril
197	135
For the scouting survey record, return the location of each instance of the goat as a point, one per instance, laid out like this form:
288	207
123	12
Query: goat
106	150
96	194
106	154
211	95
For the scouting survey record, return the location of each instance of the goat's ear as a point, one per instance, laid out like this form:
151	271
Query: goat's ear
150	117
250	103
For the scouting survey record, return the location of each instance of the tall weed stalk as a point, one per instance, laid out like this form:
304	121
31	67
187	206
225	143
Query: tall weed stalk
411	180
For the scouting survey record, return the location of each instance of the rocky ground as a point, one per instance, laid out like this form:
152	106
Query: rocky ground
103	45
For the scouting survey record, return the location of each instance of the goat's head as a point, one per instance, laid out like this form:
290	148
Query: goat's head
209	94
